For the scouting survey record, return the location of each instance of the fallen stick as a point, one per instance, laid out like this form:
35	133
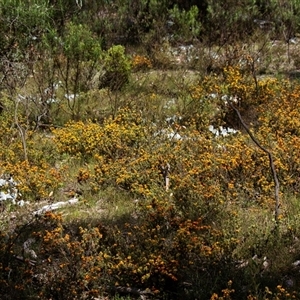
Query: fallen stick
54	206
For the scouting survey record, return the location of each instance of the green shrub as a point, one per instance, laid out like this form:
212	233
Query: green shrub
187	25
116	68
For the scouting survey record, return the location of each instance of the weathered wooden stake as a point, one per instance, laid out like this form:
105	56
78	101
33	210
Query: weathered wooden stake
165	170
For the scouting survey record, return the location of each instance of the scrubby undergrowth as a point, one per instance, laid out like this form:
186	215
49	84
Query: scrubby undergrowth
175	199
212	234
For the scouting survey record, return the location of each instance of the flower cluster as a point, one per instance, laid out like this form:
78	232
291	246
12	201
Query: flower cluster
140	62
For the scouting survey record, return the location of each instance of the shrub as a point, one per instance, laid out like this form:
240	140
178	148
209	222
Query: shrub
116	68
141	63
114	139
187	26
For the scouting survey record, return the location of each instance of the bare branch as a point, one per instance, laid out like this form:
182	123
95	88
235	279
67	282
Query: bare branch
271	161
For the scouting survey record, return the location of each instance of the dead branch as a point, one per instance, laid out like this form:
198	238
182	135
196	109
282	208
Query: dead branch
271	161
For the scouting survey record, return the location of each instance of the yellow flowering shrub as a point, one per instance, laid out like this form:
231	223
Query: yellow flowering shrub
34	182
35	177
140	62
10	143
113	139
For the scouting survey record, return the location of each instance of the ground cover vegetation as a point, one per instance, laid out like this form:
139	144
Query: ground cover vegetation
131	108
